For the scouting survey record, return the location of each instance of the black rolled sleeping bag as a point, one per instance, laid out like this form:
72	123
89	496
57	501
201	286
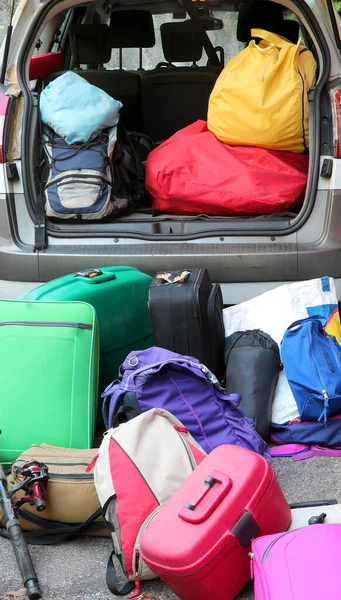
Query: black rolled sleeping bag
252	366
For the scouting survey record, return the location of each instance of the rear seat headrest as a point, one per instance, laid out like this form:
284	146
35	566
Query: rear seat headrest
290	30
132	29
90	44
265	15
180	43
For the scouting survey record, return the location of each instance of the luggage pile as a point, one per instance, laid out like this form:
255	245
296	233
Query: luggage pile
188	394
251	156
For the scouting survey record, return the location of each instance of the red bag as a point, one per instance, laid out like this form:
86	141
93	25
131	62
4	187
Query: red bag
199	543
194	173
43	65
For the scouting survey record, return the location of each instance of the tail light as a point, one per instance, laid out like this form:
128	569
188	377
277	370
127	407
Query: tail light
335	96
4	102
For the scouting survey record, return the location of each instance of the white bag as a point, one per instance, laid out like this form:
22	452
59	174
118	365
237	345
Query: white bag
273	312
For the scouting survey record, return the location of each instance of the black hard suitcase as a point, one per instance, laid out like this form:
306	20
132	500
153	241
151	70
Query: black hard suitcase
187	316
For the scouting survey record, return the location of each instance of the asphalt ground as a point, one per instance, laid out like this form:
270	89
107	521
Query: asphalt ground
76	570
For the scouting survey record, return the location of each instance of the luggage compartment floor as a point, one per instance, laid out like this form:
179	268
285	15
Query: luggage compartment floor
145	217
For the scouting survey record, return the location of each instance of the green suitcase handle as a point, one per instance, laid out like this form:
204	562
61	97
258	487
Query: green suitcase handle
95	276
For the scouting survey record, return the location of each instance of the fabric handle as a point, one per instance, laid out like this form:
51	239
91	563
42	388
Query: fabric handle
182	362
272	38
313	318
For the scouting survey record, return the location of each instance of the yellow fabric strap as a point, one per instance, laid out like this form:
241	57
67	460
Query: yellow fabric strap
272	38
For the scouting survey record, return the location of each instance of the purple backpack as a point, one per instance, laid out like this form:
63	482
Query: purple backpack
158	378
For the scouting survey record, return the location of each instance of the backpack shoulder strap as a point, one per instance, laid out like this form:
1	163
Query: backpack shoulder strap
111	397
111	579
57	532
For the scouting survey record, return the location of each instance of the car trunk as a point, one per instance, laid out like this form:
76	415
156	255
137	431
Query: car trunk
153	224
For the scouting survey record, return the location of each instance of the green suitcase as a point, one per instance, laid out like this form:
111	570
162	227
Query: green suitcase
120	298
49	355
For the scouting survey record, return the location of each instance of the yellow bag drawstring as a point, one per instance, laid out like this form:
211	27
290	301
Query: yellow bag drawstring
270	62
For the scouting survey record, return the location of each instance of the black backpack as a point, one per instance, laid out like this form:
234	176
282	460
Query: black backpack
130	153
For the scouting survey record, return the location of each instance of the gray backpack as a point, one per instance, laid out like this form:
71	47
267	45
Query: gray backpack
90	181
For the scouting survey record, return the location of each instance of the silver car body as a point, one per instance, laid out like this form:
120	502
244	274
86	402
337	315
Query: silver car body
245	263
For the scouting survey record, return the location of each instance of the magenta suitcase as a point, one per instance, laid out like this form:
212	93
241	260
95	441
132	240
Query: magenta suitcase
303	564
199	543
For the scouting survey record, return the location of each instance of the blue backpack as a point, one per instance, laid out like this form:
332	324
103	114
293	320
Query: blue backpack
303	439
96	180
311	360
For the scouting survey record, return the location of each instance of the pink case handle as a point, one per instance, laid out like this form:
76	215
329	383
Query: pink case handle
190	514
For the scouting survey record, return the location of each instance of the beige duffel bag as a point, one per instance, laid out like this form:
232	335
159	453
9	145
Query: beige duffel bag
72	505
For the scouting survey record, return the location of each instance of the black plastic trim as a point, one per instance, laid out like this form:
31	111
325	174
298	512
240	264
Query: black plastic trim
326	144
13	223
245	529
219	231
8	123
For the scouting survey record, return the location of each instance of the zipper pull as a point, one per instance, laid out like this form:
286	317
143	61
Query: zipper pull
324	413
136	591
180	429
92	464
251	555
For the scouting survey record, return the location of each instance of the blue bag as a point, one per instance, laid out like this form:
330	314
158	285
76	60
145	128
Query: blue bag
308	433
311	360
76	110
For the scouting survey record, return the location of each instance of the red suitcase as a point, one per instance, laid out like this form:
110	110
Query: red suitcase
198	544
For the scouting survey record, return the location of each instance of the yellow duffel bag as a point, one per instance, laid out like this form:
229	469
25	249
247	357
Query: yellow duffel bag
261	96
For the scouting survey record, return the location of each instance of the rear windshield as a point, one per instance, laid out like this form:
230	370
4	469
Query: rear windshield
225	38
